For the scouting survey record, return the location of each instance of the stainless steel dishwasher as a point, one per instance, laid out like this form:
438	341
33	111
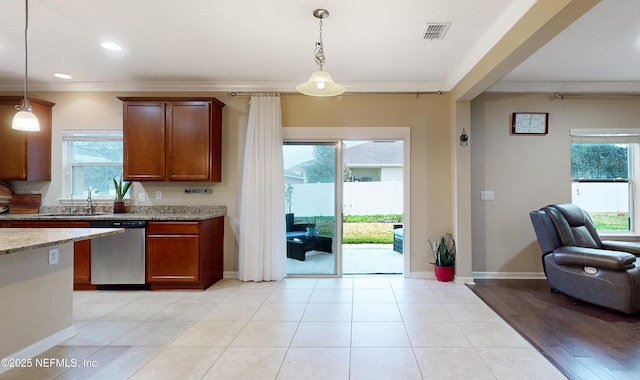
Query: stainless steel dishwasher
118	259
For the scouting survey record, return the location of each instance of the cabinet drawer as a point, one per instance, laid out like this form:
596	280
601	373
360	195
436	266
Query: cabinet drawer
173	228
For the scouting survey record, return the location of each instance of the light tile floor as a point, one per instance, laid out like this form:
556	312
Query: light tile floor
343	328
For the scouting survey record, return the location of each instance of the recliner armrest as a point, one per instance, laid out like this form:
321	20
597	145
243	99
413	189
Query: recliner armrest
598	258
623	246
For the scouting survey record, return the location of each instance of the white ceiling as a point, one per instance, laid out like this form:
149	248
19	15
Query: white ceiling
257	45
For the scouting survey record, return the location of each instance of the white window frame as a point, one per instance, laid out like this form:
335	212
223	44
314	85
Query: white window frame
67	166
629	136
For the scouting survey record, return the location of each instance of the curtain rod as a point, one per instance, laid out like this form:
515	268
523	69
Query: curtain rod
418	93
561	96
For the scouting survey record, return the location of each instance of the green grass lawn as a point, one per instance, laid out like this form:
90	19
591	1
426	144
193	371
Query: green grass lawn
359	229
610	221
367	233
377	229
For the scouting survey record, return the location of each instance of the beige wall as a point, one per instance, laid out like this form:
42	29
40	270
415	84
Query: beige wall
526	172
427	115
36	300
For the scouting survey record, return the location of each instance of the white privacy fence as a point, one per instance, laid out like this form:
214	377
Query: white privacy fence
359	198
601	197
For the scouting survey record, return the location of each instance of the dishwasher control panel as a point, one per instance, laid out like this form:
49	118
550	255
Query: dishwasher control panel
118	224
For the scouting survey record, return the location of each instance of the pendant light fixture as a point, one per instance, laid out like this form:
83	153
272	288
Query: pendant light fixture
24	119
320	82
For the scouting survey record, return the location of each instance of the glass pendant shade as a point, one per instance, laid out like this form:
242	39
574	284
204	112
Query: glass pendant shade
320	84
25	120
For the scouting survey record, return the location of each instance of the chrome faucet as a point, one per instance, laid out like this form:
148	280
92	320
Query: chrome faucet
72	210
89	206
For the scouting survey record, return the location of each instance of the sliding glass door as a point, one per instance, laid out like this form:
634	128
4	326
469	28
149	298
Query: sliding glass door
373	213
310	193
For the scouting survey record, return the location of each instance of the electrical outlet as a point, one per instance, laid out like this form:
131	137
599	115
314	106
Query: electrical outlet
142	197
158	194
54	256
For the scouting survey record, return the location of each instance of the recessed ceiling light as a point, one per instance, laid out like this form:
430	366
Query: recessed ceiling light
111	46
62	76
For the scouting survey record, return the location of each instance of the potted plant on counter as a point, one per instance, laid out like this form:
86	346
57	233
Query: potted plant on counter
444	257
121	191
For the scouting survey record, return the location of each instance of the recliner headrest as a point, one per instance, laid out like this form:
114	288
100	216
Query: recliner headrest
572	213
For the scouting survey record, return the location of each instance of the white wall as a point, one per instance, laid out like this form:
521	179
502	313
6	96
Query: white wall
526	172
391	174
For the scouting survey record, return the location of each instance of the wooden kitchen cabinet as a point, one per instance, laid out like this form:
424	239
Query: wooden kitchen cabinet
81	249
25	156
184	254
172	139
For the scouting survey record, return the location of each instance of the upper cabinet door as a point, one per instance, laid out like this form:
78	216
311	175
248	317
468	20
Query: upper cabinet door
172	139
144	141
189	141
25	156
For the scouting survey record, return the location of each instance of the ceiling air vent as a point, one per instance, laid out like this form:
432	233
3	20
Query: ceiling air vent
436	30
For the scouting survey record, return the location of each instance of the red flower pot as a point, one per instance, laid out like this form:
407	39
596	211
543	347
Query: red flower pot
444	274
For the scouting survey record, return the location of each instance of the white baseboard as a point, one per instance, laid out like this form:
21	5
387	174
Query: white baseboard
230	274
457	279
41	346
429	274
508	275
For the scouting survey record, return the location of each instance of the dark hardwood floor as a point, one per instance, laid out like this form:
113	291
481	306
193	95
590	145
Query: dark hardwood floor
583	341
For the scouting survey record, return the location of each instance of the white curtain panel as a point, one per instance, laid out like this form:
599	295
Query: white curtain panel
262	234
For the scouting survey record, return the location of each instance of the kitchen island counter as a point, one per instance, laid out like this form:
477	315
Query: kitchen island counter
24	239
36	288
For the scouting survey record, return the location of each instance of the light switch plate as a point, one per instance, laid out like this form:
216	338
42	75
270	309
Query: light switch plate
142	197
158	194
54	256
486	195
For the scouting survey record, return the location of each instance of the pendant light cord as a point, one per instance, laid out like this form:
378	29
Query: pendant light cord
26	54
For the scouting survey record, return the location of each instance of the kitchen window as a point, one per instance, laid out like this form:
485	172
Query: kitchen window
602	177
91	159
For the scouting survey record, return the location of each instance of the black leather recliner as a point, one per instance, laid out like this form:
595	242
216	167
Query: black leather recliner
580	265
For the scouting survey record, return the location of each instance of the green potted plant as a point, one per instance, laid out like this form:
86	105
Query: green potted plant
444	257
121	191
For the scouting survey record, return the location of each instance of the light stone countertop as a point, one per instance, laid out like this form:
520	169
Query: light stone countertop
161	213
22	239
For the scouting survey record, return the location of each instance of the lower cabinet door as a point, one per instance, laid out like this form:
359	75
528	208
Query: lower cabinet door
173	258
82	264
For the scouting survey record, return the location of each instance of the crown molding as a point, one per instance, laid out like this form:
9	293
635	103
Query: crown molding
577	87
377	87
